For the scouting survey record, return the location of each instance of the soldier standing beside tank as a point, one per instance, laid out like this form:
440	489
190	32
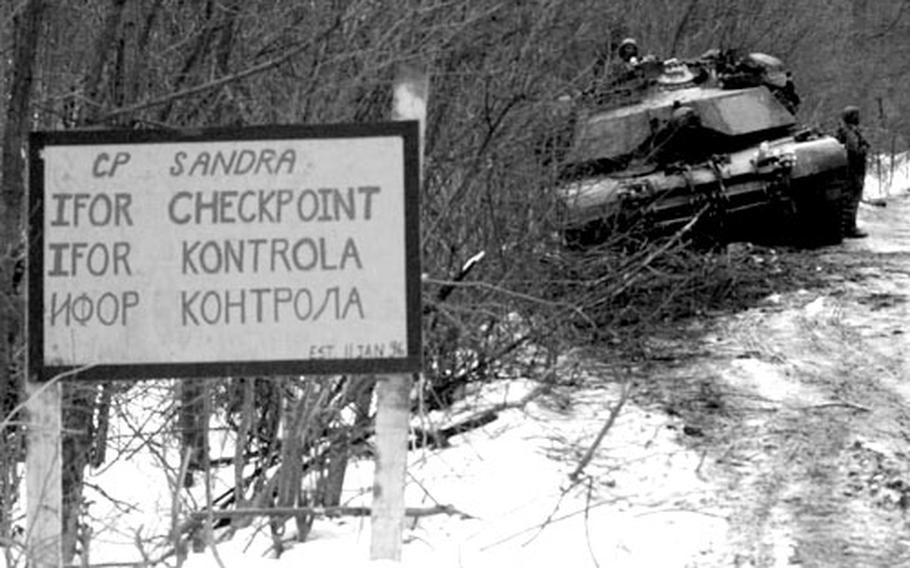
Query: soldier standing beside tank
851	136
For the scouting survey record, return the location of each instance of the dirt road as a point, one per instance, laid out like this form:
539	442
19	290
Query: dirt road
801	409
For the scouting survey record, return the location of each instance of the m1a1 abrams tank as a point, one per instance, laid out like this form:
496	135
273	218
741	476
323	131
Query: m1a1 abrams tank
709	146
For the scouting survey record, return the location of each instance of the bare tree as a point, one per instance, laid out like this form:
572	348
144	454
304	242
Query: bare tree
26	25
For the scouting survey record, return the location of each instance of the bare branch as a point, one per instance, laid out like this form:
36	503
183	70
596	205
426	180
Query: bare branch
611	419
254	70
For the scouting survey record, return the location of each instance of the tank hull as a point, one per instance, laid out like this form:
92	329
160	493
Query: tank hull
786	180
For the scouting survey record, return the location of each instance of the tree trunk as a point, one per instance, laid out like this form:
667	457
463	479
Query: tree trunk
26	29
103	47
79	402
360	393
860	49
190	422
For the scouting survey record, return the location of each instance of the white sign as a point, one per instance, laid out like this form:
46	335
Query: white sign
283	250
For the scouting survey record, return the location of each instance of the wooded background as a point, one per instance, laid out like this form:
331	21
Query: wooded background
496	67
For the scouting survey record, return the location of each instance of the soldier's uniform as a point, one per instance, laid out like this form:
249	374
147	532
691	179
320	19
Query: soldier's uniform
852	138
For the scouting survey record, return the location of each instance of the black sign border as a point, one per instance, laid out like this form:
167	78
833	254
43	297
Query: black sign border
408	131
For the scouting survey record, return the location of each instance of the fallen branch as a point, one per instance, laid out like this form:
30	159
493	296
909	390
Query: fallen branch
439	438
614	413
843	403
632	276
550	520
415	512
137	564
198	517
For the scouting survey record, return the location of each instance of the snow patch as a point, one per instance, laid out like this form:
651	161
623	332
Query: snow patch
887	176
641	501
770	383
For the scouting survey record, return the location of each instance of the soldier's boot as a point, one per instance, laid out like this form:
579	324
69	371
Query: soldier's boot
846	219
850	210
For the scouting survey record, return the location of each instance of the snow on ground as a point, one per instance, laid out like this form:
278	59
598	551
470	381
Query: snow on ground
511	481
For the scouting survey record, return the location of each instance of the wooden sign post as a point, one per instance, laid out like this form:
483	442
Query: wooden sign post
43	476
393	392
